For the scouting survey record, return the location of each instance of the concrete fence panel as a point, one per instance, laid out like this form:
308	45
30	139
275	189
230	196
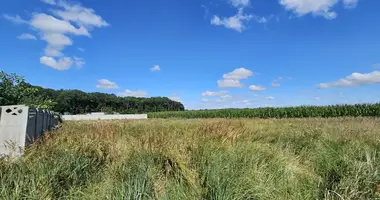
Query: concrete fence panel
13	124
21	126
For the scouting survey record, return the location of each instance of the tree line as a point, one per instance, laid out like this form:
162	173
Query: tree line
14	90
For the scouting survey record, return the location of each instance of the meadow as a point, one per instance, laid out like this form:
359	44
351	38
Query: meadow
211	159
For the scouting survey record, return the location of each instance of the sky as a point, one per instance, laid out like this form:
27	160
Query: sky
203	53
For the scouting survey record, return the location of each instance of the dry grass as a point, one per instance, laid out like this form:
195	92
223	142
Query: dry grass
201	159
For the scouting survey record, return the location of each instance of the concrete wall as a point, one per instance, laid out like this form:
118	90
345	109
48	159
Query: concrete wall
21	126
102	117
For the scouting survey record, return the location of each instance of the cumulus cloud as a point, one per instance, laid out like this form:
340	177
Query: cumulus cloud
226	97
245	102
316	7
15	19
60	64
229	83
240	3
238	74
27	36
256	88
221	96
232	79
67	19
51	2
236	22
175	97
106	84
79	15
213	94
155	68
79	62
355	79
49	24
130	93
350	3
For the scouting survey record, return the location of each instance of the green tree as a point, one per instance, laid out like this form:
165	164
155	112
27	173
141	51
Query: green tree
13	89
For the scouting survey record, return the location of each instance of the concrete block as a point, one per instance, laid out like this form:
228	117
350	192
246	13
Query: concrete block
21	126
13	124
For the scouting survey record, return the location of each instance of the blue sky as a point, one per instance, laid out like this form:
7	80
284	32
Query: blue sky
207	54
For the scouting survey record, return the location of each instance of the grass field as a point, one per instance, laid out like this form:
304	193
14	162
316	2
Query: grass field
213	159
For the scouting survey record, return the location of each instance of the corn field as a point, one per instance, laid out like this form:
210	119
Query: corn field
357	110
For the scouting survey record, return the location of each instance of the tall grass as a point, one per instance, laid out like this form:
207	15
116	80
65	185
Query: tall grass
213	159
358	110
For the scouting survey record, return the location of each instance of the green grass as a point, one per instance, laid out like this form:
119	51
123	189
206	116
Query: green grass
358	110
213	159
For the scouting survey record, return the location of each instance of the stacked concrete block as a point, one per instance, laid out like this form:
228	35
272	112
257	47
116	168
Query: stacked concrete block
21	126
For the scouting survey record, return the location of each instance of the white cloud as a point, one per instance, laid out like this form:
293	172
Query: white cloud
229	83
51	2
276	84
206	11
27	36
269	98
57	39
15	19
240	3
232	79
56	30
236	22
238	74
49	24
355	79
226	97
81	49
175	97
316	98
106	84
256	88
61	64
261	20
223	95
79	15
56	42
52	51
245	102
79	62
213	94
350	3
155	68
315	7
53	31
129	93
